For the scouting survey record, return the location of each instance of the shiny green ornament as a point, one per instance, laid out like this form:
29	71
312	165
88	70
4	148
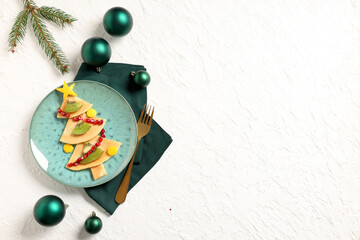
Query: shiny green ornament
141	78
118	22
49	210
96	52
93	224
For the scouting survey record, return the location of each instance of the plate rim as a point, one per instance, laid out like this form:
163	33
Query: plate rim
126	160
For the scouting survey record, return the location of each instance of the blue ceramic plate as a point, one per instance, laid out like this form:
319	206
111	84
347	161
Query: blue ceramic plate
46	129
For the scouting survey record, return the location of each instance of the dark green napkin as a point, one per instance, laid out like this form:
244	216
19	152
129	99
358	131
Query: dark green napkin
151	147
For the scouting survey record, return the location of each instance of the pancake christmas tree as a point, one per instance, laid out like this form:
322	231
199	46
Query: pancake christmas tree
87	131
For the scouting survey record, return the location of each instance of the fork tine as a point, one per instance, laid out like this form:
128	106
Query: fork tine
144	117
151	117
147	115
141	114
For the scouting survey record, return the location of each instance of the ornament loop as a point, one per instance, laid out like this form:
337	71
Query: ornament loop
132	73
93	214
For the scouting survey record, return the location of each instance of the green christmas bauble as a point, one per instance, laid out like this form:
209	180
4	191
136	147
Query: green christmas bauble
118	22
96	52
49	210
142	78
93	224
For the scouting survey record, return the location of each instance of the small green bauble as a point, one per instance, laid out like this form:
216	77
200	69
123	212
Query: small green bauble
141	78
118	22
96	52
49	210
93	224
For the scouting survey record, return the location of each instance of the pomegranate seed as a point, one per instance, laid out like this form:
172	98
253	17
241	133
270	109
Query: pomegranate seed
59	110
93	148
87	120
80	118
78	160
70	164
82	158
97	122
67	115
76	163
85	155
75	119
102	130
102	135
63	113
100	139
101	122
92	120
89	152
97	144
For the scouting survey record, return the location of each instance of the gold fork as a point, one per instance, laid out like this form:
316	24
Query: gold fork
143	125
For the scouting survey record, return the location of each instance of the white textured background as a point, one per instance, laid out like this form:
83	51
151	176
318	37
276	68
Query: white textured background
262	99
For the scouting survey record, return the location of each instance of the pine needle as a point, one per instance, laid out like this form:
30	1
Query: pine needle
55	15
28	3
18	30
48	44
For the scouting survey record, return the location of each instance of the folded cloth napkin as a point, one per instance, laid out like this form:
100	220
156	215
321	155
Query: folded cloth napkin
151	147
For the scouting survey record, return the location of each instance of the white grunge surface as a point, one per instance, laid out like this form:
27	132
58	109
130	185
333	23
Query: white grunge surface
261	98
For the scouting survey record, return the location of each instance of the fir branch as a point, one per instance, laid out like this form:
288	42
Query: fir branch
18	30
44	37
48	44
55	15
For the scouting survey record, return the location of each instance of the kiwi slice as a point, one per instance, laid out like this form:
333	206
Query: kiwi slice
72	106
93	156
81	128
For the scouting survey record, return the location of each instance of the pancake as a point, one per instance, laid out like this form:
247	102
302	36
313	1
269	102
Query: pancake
68	137
85	106
78	152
